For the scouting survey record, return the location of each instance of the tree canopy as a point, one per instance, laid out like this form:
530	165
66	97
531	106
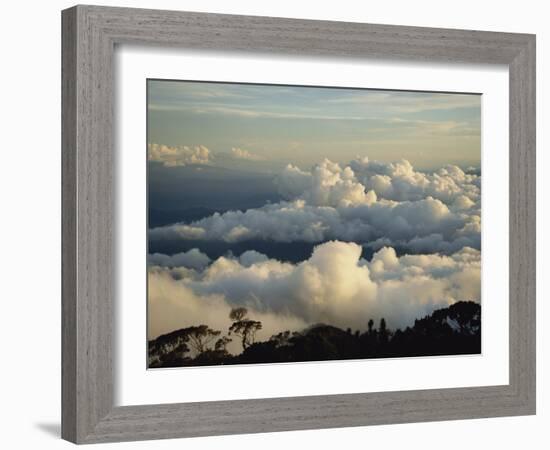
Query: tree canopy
448	331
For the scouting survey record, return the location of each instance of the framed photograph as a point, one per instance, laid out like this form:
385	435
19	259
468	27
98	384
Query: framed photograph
278	224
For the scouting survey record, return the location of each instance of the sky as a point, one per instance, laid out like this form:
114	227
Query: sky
305	124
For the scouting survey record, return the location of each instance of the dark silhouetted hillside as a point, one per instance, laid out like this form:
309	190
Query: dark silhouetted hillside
454	330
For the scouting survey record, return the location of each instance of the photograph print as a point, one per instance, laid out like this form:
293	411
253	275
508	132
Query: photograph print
296	223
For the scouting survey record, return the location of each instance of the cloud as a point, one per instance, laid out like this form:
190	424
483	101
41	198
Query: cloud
252	112
334	286
372	203
329	184
179	155
407	103
239	153
173	305
326	185
402	224
192	259
251	257
292	181
399	181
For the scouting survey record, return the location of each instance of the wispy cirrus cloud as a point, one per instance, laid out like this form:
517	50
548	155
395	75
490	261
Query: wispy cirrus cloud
239	111
419	126
407	102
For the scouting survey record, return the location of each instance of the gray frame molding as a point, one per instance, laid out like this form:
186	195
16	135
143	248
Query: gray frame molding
89	36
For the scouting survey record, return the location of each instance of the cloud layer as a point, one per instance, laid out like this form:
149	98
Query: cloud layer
333	286
328	184
374	204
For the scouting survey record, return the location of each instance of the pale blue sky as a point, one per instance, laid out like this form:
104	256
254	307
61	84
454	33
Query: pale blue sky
303	125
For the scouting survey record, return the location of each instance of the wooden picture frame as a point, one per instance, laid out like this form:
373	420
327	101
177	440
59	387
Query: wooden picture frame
90	34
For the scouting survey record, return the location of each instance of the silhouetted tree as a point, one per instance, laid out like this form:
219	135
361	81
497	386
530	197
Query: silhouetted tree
243	327
200	337
168	348
221	343
246	330
238	314
281	339
383	334
448	331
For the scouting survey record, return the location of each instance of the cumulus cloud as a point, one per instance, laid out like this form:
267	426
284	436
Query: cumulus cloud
399	181
374	225
372	203
192	259
173	305
334	286
179	155
326	185
251	257
434	218
239	153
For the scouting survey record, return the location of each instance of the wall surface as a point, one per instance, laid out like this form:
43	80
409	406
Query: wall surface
30	224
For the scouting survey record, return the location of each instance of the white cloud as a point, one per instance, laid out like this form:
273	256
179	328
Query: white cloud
368	202
462	202
398	103
192	259
400	181
333	286
179	155
382	206
293	181
251	257
380	223
326	185
173	305
239	153
239	111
